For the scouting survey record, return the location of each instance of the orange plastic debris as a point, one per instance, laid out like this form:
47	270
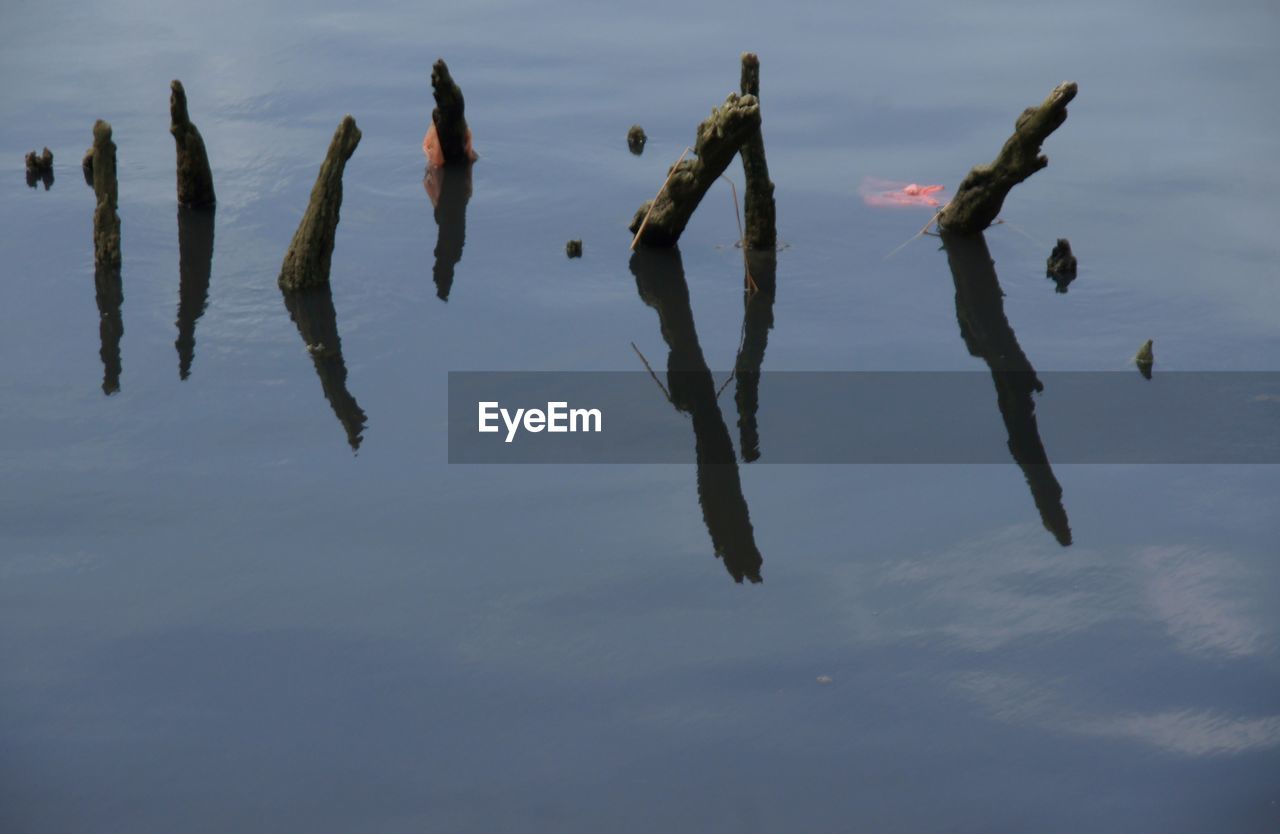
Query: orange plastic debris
877	192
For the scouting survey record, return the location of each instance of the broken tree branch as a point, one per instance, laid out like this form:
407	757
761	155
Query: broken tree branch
980	196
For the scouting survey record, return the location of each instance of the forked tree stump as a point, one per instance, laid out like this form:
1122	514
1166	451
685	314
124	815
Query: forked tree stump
660	222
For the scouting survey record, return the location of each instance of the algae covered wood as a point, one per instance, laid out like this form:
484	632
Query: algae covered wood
981	194
661	221
761	227
106	222
195	181
306	264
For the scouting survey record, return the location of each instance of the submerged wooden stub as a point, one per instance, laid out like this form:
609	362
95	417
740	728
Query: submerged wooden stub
40	168
195	182
761	230
306	264
636	138
980	196
1145	358
39	163
449	117
106	223
661	221
1061	266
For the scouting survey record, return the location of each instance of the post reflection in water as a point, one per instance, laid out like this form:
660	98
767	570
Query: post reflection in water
109	289
195	264
660	281
987	335
312	311
757	321
449	188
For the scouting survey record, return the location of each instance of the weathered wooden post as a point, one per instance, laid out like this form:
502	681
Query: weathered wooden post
306	264
448	140
761	226
195	182
106	222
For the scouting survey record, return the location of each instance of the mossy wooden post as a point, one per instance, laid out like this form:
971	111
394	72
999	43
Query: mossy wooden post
660	222
761	229
106	223
306	264
449	116
981	194
195	182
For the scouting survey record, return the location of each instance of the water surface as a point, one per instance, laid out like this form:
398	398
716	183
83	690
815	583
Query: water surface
242	590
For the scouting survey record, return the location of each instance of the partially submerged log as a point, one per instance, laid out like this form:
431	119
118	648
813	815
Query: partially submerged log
195	182
306	264
981	194
448	141
106	222
661	221
761	229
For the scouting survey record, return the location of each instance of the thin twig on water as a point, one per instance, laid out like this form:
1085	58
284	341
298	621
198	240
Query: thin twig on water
654	376
654	201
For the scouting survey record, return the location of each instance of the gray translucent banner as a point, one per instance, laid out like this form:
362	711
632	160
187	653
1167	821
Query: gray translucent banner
865	417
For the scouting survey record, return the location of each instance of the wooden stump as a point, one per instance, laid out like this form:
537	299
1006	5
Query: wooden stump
106	222
661	222
306	264
981	194
195	181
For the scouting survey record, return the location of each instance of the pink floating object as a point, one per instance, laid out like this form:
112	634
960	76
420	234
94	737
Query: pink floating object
431	147
878	192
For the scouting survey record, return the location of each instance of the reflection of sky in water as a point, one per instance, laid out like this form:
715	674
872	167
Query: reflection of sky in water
211	610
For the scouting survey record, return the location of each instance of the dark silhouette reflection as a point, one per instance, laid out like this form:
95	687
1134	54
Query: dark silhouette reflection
44	176
660	281
449	188
195	263
1062	281
110	293
757	321
987	334
312	310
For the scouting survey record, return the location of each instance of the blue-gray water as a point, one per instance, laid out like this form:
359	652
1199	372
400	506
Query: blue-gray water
215	617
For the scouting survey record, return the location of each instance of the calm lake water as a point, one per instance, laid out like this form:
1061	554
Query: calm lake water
216	616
